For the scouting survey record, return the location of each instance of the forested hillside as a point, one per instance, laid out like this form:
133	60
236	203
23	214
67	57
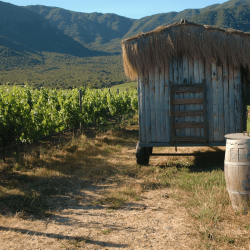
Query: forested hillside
235	17
93	30
23	31
53	47
104	32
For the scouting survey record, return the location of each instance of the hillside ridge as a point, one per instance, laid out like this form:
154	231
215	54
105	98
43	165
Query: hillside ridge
54	47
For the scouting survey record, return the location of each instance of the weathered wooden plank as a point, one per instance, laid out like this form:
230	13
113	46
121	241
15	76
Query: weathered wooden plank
220	103
181	94
162	106
202	70
157	105
190	139
186	94
141	107
197	95
245	83
189	125
143	120
226	99
176	95
209	102
202	79
172	112
180	70
167	101
152	105
191	95
204	117
188	101
238	102
171	108
187	89
231	96
215	100
188	113
147	109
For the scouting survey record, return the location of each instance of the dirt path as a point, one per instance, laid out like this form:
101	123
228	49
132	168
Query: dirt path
155	222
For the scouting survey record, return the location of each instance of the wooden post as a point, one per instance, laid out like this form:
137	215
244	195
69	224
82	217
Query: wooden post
209	102
141	106
191	95
220	104
186	95
202	80
157	105
167	103
176	96
215	100
238	102
170	82
117	91
152	105
197	94
147	109
162	107
181	95
226	99
231	99
80	99
80	104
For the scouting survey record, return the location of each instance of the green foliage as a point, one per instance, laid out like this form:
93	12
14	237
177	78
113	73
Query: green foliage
65	71
125	86
93	30
236	17
56	48
27	114
15	119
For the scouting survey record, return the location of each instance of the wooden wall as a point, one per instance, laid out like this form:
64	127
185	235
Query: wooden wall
224	102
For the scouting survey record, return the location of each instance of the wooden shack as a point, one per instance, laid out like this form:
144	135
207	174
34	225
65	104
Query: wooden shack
192	83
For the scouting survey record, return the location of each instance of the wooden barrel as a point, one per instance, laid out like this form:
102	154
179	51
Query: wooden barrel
237	170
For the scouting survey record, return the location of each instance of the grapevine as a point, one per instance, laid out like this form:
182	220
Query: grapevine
27	114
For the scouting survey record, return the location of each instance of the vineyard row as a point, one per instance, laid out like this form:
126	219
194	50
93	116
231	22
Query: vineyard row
27	114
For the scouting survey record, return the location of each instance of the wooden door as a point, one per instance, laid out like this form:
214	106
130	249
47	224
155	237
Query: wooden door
178	117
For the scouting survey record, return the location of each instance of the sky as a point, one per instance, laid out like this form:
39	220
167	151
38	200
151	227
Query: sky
135	9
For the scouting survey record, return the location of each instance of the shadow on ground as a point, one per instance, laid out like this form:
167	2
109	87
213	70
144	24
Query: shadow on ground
37	190
77	240
206	161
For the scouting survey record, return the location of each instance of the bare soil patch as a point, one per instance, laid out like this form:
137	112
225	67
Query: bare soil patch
157	221
86	192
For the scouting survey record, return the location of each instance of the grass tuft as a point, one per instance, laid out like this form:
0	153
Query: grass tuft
106	162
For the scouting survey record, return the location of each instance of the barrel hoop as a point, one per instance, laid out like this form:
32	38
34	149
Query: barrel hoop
237	163
238	192
239	142
237	146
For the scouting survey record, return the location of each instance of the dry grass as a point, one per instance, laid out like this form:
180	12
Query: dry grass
144	52
54	172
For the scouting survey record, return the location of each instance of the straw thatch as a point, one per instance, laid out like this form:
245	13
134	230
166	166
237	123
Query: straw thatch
144	52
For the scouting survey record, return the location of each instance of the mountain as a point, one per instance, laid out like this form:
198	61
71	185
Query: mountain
54	47
146	24
27	34
234	17
94	30
104	32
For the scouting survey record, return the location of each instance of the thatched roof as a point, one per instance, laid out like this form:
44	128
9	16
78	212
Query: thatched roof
155	48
